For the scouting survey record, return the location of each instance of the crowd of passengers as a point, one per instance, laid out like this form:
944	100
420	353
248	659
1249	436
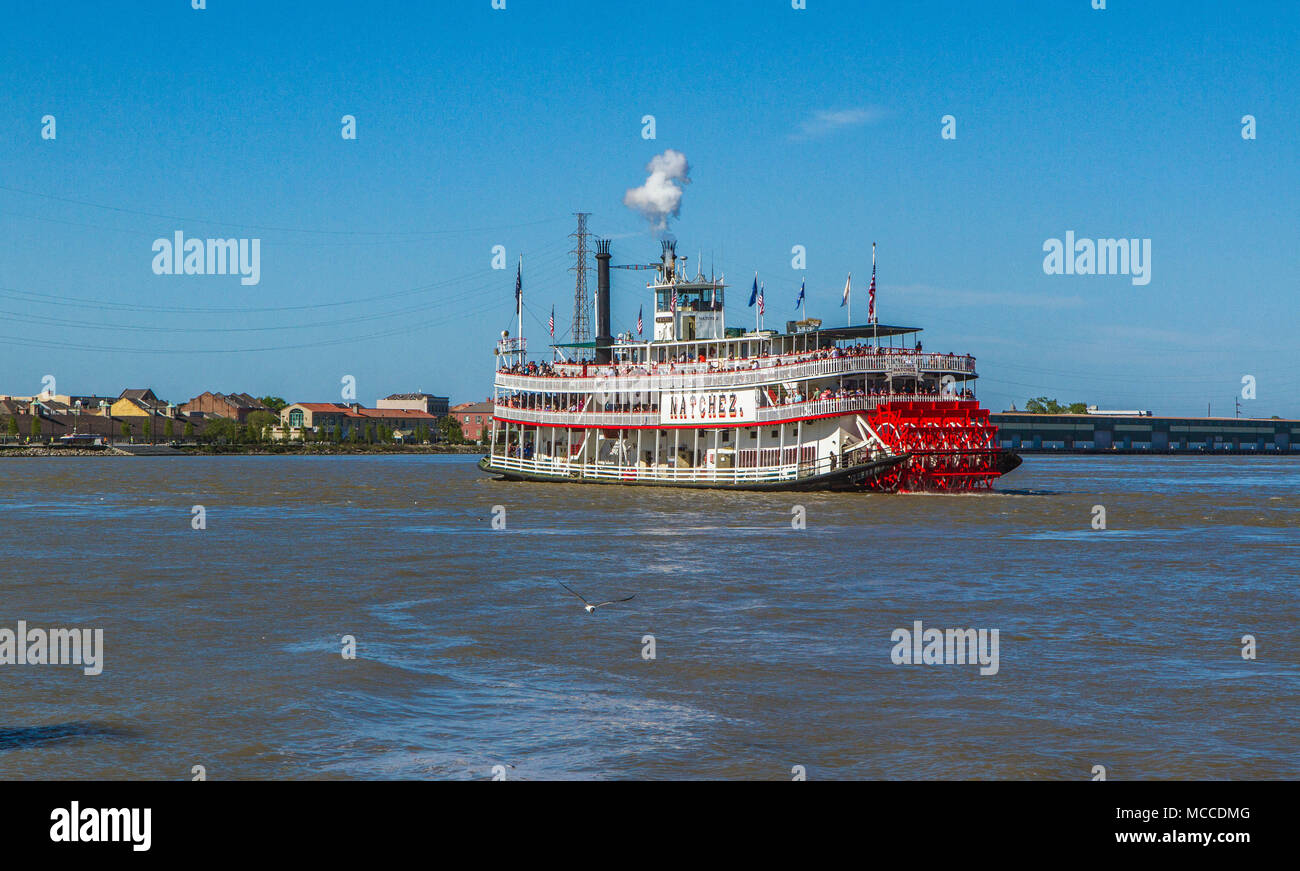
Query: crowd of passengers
556	402
545	370
617	405
512	450
729	364
799	396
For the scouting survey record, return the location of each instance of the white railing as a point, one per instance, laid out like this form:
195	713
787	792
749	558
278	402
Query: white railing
577	418
699	375
847	405
558	467
767	414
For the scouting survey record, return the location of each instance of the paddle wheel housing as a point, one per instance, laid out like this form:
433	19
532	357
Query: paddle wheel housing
952	446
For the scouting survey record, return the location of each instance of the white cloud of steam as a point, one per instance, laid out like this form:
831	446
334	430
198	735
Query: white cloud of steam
660	198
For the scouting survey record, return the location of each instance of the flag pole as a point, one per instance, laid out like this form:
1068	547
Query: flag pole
519	309
875	320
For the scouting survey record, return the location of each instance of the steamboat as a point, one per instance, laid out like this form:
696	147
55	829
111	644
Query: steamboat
701	404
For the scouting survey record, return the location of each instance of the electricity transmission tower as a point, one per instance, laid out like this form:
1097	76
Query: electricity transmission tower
581	302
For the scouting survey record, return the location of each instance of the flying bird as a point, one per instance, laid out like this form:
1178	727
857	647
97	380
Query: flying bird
590	608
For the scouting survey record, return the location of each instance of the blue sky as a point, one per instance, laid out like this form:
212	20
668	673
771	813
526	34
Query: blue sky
479	127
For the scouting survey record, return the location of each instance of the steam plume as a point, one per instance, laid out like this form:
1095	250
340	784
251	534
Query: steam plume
660	198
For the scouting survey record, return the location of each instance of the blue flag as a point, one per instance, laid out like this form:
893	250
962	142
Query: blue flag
799	301
753	295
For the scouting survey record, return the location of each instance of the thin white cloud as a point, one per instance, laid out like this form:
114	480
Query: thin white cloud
824	122
1179	338
945	296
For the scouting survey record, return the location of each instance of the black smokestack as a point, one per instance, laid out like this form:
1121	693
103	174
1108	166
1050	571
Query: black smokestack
604	354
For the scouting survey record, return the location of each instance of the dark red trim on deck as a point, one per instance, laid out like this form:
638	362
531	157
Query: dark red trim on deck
937	406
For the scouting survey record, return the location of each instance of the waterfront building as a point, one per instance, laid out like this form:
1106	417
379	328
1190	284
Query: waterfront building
475	418
1099	431
323	417
426	402
141	402
235	406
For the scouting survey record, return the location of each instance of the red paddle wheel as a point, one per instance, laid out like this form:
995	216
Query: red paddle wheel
953	446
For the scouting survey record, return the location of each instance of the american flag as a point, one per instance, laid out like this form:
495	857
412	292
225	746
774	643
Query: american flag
552	322
871	293
760	299
674	300
519	287
639	322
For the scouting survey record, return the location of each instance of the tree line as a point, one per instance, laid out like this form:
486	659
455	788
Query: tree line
256	429
1043	405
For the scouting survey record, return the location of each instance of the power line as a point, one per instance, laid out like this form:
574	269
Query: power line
458	317
248	226
85	302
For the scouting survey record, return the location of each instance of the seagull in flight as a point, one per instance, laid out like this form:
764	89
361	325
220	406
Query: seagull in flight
590	608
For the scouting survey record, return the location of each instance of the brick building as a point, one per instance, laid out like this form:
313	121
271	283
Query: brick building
475	419
324	416
236	406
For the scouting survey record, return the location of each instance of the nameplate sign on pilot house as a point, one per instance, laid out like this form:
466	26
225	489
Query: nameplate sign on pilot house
708	406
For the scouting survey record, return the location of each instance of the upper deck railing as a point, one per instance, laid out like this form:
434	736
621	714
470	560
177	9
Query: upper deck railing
845	405
611	419
766	414
731	373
